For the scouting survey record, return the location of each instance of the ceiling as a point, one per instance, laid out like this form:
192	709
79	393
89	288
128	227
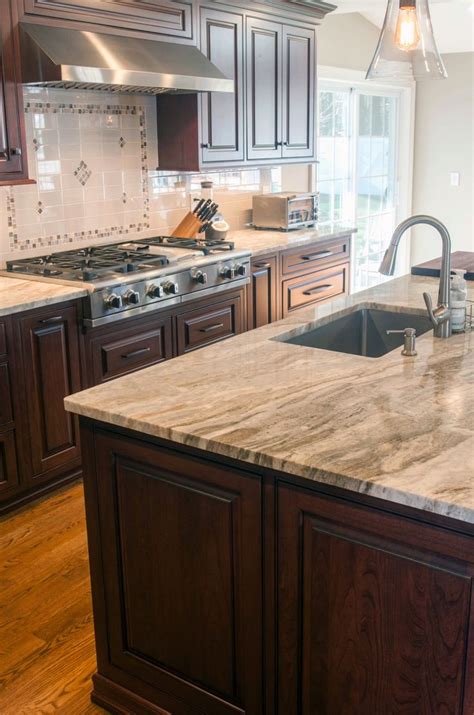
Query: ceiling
453	20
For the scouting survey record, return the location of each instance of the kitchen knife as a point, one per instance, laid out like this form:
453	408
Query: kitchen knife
199	206
204	208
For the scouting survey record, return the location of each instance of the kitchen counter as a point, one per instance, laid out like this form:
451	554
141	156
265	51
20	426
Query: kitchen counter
17	295
397	428
260	242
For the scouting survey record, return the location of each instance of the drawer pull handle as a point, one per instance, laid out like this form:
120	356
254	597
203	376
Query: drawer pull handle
317	289
50	321
135	353
262	265
210	328
314	256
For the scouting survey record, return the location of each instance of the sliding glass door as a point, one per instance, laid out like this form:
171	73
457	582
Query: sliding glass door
359	143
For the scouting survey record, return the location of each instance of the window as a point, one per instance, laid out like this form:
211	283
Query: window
359	150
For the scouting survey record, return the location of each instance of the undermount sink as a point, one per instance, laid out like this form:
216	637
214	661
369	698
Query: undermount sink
362	332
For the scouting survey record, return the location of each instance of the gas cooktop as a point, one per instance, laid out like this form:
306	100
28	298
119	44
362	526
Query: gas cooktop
101	262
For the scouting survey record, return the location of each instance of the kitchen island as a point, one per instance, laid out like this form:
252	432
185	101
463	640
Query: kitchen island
275	528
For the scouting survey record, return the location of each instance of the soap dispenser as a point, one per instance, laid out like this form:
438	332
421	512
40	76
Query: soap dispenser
458	290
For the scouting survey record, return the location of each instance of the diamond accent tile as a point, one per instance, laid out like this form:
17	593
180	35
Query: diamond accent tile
83	173
122	142
39	207
124	198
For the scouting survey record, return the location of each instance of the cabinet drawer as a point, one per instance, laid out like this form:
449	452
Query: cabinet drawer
131	350
307	258
314	287
208	325
6	411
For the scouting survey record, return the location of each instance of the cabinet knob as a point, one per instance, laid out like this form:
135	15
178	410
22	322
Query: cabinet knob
279	143
205	146
15	151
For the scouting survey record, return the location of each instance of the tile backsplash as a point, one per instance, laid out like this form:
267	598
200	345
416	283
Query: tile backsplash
94	157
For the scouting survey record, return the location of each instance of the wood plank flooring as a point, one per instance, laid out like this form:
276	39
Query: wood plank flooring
47	651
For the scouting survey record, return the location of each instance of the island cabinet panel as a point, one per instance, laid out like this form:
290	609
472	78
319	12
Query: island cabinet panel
157	17
50	357
263	292
374	611
180	545
222	130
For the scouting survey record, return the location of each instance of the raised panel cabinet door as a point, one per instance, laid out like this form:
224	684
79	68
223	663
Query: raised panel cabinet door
223	113
264	84
51	372
299	71
8	465
263	300
13	166
182	556
375	611
156	17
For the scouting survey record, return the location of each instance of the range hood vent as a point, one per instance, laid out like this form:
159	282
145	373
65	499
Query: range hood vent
76	59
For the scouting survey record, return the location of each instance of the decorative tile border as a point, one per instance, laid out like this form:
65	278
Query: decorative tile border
83	173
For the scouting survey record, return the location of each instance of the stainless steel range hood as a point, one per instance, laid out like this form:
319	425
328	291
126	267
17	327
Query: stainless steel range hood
76	59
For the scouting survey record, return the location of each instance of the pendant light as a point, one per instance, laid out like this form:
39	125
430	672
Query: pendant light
407	47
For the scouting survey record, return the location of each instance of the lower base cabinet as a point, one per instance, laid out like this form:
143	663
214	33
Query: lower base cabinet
215	582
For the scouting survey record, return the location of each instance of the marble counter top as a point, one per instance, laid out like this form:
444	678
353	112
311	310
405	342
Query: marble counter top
260	242
17	295
397	428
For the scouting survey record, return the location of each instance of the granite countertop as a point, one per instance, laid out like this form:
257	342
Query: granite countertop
259	242
397	428
17	295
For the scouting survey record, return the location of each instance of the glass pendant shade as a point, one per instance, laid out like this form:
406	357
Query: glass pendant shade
407	47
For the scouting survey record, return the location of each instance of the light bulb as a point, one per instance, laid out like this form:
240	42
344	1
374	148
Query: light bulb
407	31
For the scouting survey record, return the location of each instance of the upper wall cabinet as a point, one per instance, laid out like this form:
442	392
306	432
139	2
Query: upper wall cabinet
13	165
222	126
280	91
155	17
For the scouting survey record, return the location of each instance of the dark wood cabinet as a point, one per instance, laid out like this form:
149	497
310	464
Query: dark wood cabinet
183	619
122	348
13	163
263	292
264	89
9	477
374	610
364	606
9	472
51	371
173	18
281	69
314	287
222	115
211	321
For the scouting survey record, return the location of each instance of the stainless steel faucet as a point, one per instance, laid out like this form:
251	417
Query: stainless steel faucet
441	316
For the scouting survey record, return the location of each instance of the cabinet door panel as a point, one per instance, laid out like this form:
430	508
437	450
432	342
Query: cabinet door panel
368	625
51	365
6	409
314	287
223	113
158	17
12	133
298	92
264	77
182	548
8	465
264	292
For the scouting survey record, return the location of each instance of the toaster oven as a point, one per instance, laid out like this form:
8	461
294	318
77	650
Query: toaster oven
284	211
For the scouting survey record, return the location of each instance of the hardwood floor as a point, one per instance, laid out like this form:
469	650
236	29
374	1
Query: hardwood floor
47	651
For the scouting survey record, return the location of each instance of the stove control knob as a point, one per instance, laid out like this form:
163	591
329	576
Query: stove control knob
112	301
228	272
132	297
200	277
241	269
171	287
155	291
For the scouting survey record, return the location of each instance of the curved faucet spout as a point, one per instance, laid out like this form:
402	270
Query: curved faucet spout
440	317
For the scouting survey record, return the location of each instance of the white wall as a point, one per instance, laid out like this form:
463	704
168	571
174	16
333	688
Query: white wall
347	41
444	143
